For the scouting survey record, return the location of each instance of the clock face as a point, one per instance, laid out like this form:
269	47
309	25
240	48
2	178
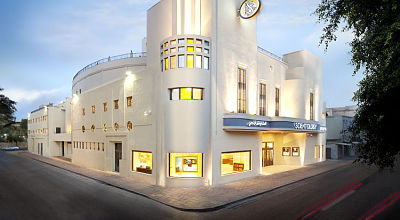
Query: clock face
250	9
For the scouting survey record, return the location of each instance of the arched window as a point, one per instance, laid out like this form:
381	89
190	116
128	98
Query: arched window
83	128
105	127
129	125
116	126
92	128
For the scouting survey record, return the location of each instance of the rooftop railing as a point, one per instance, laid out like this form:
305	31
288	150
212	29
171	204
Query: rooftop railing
270	54
109	59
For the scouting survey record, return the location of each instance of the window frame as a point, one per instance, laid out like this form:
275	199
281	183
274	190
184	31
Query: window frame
133	168
239	172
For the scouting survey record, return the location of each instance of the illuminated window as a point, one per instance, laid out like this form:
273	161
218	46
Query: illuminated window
83	129
242	91
116	106
90	146
234	162
116	126
262	103
199	41
93	109
129	101
173	50
190	48
187	93
105	106
311	106
93	128
102	146
83	111
181	41
199	61
173	42
199	49
277	95
173	62
129	125
166	51
181	61
206	63
105	127
166	63
295	151
190	40
166	44
142	162
286	151
181	49
189	60
316	152
86	145
186	164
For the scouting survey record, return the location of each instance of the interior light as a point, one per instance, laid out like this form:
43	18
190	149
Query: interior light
75	99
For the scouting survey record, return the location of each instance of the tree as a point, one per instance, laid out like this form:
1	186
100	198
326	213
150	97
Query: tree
7	109
375	49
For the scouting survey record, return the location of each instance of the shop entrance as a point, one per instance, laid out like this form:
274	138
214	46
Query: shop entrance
268	154
117	155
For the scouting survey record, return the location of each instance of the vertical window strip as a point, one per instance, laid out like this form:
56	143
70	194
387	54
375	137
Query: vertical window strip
277	101
242	91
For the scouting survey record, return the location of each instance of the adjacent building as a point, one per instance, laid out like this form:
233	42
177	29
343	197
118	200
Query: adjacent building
338	140
203	105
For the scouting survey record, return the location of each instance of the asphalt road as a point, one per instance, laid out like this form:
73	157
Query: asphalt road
33	190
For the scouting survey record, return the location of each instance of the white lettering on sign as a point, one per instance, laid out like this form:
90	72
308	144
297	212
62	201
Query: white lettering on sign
257	123
304	126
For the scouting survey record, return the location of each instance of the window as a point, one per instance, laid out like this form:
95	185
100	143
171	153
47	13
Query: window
181	41
105	106
311	106
186	94
295	151
116	106
83	128
277	101
263	99
98	146
181	61
199	62
105	127
173	62
129	125
90	146
199	41
186	164
93	128
316	152
242	91
180	49
206	63
286	151
102	146
129	101
206	43
199	49
142	162
93	109
173	50
189	61
234	162
83	111
166	64
190	40
86	145
173	42
166	44
166	52
207	51
116	126
190	48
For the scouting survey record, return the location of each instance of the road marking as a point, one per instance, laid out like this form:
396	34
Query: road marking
338	200
381	206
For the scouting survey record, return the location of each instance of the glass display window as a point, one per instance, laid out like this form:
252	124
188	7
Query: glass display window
286	151
235	162
186	164
142	162
295	151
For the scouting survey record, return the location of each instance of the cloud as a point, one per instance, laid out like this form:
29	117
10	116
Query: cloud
24	95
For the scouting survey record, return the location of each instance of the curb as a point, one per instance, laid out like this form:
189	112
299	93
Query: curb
210	209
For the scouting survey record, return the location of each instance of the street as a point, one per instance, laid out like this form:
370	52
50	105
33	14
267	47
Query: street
34	190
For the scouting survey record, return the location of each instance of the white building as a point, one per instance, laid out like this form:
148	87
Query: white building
49	130
338	140
204	105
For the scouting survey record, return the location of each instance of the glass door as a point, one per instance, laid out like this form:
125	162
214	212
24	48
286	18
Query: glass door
268	154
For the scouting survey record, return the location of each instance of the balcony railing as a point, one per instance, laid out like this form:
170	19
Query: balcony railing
109	59
270	54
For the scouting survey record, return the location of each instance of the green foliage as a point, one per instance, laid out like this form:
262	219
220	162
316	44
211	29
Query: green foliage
7	109
375	48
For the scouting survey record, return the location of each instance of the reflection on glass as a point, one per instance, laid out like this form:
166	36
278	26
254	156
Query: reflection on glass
142	162
234	162
186	165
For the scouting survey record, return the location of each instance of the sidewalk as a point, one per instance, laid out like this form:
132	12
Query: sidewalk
199	198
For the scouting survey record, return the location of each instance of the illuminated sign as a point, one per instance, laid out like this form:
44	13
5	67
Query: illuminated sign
304	126
250	9
257	123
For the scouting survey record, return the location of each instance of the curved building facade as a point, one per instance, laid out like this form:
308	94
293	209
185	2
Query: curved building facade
203	105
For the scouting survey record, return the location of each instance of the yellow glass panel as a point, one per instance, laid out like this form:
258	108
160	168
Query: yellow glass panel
189	61
190	40
186	165
173	62
142	162
197	94
166	63
186	93
235	162
166	44
165	52
190	48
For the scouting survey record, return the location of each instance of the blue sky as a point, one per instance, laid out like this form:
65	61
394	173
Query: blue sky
44	43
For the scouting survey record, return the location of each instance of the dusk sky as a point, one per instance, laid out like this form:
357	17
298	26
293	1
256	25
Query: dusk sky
43	44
